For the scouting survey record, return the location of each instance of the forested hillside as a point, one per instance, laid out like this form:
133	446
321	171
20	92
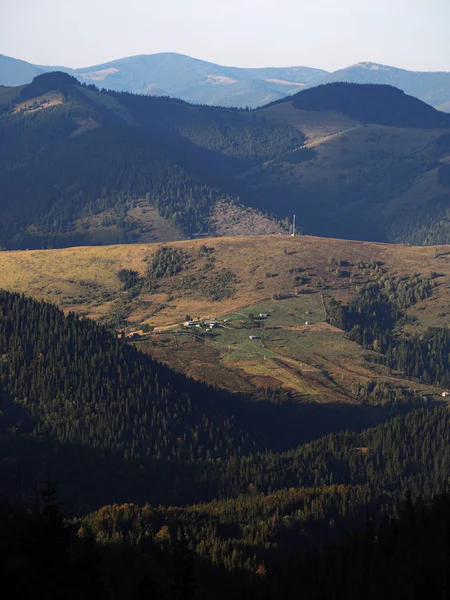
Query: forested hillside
90	408
76	153
68	381
76	158
430	87
237	497
81	166
86	405
405	556
270	532
376	104
300	499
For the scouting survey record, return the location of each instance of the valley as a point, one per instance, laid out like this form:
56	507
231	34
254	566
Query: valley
225	301
204	386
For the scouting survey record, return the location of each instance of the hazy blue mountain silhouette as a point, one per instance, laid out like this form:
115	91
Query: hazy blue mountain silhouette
201	82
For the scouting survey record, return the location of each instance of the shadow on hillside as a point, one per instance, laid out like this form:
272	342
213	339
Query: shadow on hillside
290	424
88	478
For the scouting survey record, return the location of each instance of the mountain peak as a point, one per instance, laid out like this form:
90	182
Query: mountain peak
380	104
55	79
371	66
47	82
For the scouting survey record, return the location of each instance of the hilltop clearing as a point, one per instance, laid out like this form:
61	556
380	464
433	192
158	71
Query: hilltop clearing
260	307
86	278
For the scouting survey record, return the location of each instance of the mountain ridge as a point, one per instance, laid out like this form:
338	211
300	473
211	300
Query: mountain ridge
191	79
362	102
432	87
349	159
203	82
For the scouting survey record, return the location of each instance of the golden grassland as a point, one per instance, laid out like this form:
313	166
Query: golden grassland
85	279
40	102
316	361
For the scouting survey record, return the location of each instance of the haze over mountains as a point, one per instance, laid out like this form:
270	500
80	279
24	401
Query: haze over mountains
431	87
201	82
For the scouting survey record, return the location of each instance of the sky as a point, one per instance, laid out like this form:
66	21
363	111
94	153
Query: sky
327	34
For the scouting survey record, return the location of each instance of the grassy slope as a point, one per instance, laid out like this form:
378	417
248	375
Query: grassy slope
78	278
316	361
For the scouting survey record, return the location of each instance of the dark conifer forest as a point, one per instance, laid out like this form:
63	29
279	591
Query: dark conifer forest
363	102
157	484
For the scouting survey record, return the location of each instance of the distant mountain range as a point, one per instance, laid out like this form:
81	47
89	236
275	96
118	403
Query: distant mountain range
200	82
178	76
431	87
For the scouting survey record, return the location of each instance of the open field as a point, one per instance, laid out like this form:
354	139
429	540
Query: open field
316	362
289	279
45	101
85	279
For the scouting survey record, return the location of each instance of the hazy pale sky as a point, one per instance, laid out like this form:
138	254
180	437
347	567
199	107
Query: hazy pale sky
330	34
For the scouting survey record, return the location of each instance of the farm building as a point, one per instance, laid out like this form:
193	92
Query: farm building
134	335
263	315
189	324
252	337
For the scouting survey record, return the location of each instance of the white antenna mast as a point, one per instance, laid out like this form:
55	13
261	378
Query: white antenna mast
293	227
